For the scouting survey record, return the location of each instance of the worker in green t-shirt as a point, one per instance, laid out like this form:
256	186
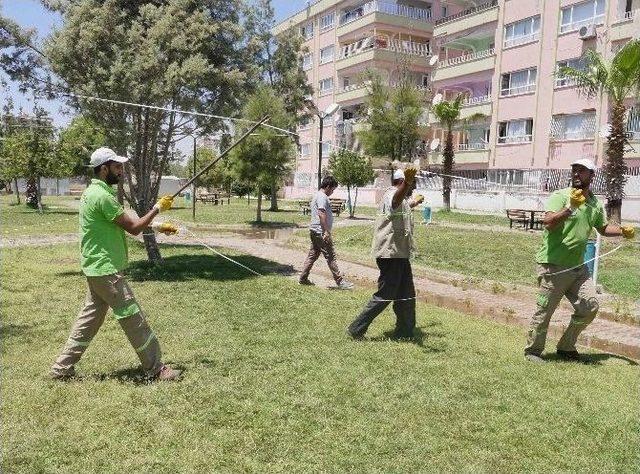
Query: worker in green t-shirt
572	214
103	249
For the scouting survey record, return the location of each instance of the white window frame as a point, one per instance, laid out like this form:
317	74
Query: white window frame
522	39
526	138
562	81
305	150
326	147
587	126
307	64
306	31
327	59
633	122
571	25
327	89
530	86
327	21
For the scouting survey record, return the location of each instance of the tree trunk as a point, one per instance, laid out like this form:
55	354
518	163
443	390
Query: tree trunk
15	183
614	168
447	168
274	198
39	195
31	194
355	202
151	246
259	210
349	201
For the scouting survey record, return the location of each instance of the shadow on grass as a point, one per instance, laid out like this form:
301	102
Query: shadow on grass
590	359
271	224
209	267
132	375
429	340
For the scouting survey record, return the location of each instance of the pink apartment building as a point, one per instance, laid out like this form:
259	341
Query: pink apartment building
502	55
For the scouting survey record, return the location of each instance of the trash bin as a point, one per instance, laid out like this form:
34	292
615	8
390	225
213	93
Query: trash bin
426	214
589	254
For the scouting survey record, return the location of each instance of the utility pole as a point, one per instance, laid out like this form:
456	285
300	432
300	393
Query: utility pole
193	193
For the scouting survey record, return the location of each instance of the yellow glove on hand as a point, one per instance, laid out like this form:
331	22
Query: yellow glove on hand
164	203
418	198
410	174
576	198
166	228
628	231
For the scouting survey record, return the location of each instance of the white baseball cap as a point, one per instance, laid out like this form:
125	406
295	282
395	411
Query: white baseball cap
103	154
398	174
587	163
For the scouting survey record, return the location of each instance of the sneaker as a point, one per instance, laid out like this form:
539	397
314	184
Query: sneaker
167	374
345	285
306	282
535	358
568	355
62	376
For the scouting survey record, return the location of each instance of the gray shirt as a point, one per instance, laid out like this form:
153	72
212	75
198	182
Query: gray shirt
393	232
320	201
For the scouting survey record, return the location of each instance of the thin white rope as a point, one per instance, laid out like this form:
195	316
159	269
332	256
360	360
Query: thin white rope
585	262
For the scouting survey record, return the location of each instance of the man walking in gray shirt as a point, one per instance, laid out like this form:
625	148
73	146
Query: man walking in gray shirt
320	234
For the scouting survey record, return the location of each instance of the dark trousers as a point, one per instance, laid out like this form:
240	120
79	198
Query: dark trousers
394	283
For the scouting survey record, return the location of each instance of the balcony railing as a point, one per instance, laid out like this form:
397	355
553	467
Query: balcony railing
468	12
469	101
472	146
515	139
576	135
406	47
530	38
518	90
388	8
596	20
468	57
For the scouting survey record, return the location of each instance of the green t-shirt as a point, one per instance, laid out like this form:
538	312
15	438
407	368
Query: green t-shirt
103	245
565	245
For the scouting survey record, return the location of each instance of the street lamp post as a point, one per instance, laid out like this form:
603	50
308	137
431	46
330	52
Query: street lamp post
333	108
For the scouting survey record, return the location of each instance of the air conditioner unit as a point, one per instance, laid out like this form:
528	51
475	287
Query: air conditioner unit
587	32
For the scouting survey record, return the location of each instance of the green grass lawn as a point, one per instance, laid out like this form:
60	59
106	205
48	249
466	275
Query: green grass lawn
272	384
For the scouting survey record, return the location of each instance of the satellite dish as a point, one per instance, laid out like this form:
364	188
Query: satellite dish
333	108
435	143
433	60
436	99
605	131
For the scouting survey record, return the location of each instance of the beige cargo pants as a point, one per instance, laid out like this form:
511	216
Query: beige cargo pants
104	292
580	292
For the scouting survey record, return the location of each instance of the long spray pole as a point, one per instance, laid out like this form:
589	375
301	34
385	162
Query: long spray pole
224	153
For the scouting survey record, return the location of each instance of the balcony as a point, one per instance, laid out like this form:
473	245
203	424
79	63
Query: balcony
387	13
353	92
466	64
468	19
381	49
575	26
465	153
511	139
625	27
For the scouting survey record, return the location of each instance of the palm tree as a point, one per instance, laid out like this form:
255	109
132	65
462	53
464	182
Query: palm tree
618	79
448	114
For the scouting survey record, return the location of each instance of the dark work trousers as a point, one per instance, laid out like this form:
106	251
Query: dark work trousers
394	283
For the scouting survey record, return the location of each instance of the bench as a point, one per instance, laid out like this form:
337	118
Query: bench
519	216
536	219
337	206
305	206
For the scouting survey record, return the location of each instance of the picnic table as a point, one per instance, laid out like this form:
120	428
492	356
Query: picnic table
337	205
527	219
214	197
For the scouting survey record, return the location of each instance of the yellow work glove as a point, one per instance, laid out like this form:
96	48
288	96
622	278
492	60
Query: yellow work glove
576	199
410	174
418	198
166	228
628	231
164	203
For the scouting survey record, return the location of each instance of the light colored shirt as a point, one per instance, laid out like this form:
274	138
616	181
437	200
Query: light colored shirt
393	233
320	201
103	245
565	244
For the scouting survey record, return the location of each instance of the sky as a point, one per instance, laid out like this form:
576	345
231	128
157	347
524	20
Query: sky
31	14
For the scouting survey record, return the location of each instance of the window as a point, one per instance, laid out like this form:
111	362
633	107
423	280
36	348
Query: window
574	126
561	80
515	131
521	32
325	85
519	82
425	81
326	54
307	61
304	122
580	14
306	31
305	150
444	11
327	21
633	123
326	148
